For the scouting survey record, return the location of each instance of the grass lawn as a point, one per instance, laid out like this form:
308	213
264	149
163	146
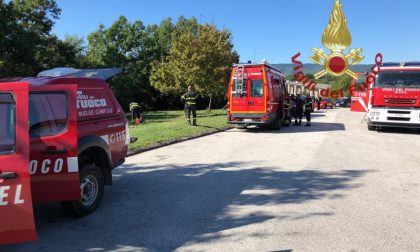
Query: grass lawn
167	125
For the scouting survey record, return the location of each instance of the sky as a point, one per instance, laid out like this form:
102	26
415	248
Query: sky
274	30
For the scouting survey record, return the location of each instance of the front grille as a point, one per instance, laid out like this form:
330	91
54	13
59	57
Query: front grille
399	112
400	101
404	119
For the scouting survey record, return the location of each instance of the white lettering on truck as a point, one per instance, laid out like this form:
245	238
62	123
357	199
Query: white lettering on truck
91	103
46	166
117	137
4	195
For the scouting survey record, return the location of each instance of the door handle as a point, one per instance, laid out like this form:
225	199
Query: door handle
8	175
54	151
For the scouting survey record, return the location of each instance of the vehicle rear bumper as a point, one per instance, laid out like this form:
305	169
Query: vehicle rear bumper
251	119
247	122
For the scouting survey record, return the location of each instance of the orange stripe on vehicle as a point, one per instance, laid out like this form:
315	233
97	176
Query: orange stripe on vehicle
265	89
230	89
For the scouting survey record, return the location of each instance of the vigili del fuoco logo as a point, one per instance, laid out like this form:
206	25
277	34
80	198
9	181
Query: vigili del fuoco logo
336	62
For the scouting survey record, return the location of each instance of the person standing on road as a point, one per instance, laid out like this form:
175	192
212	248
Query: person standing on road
135	112
308	109
292	106
189	99
287	109
318	102
299	110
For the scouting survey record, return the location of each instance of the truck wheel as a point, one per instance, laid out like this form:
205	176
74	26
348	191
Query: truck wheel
371	127
91	189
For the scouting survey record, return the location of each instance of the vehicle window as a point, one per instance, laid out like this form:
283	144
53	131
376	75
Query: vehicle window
256	88
239	87
47	114
7	125
398	79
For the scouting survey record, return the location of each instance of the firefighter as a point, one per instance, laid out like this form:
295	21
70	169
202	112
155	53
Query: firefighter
292	106
189	99
308	109
318	102
135	112
299	110
287	110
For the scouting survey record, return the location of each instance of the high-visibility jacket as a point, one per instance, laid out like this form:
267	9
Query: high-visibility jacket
134	105
189	98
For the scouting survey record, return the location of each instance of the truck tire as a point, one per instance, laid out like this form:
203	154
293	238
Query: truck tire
371	127
92	190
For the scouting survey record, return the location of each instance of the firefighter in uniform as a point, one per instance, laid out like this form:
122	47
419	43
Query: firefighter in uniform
189	99
308	109
287	109
135	112
299	110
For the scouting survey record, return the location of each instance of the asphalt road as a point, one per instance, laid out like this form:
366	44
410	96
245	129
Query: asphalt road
334	186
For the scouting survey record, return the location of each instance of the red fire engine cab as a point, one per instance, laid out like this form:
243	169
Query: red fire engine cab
256	96
359	94
395	96
60	138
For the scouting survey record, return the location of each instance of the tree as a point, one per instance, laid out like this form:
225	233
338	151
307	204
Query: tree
342	83
133	47
200	56
26	46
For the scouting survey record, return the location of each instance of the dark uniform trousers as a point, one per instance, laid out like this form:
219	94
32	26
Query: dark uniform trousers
308	110
298	112
287	109
190	108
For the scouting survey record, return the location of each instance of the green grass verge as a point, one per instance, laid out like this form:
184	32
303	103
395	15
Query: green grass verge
168	125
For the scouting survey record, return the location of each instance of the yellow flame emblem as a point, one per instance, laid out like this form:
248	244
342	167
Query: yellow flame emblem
337	38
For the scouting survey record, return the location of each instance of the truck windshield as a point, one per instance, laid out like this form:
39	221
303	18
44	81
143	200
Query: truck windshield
7	125
398	79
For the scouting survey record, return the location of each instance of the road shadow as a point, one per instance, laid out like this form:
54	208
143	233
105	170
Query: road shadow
315	127
397	130
162	208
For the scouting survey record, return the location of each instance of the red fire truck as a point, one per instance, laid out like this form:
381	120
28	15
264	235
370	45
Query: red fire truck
359	94
256	96
395	96
60	138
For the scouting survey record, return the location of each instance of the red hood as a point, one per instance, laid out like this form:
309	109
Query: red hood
396	97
